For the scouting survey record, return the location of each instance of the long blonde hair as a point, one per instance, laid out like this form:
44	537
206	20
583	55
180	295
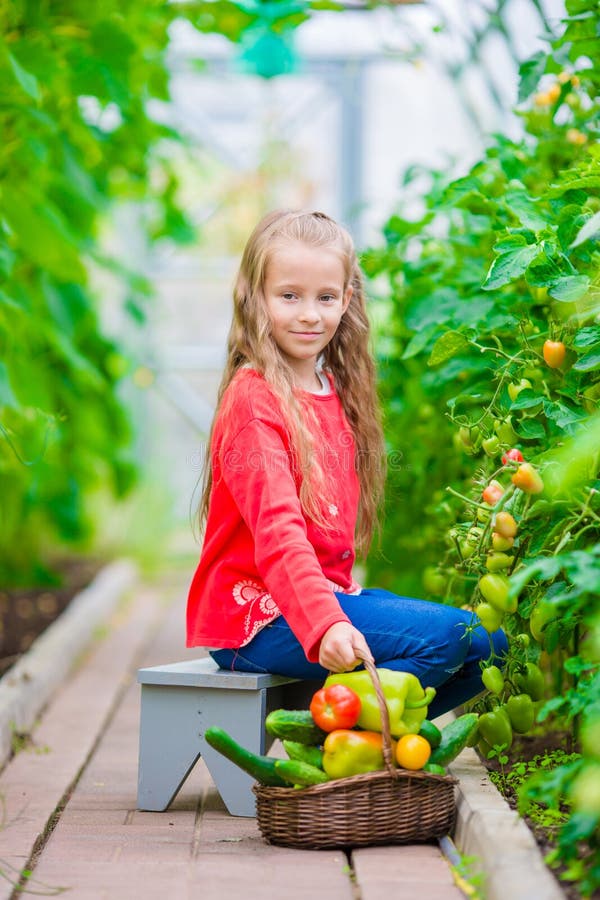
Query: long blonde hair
347	357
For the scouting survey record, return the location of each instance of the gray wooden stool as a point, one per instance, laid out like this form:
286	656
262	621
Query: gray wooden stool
180	701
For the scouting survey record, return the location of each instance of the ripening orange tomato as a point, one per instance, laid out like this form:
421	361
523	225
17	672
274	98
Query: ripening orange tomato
554	353
528	479
505	525
412	751
492	492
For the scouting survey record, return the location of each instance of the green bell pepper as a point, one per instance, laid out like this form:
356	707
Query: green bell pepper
347	752
406	700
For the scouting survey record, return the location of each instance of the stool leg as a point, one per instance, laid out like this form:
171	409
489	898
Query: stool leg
172	725
169	746
242	715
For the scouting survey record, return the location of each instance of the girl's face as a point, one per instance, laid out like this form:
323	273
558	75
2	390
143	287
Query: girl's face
305	297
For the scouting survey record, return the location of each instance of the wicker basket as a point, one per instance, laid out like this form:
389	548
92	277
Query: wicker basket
391	806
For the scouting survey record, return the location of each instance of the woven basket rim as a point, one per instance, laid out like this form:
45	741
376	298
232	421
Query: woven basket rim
337	783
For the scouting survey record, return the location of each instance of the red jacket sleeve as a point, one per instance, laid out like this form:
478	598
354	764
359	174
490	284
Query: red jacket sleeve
257	470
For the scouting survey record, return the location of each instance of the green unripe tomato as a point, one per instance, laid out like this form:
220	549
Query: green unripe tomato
522	640
535	375
493	679
521	712
491	446
531	681
495	589
484	748
540	616
467	549
515	388
464	433
484	512
491	619
495	728
501	543
506	432
498	561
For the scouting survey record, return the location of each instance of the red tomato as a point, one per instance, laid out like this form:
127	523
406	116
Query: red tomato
513	455
493	492
554	353
528	479
336	706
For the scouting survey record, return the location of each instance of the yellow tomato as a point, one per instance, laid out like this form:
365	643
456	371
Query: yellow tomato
412	751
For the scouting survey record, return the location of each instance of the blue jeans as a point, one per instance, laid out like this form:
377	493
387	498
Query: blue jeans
441	645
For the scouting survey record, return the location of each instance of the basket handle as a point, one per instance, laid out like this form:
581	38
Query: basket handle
369	665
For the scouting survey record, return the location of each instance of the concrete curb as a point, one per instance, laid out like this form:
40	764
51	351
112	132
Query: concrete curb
506	852
29	684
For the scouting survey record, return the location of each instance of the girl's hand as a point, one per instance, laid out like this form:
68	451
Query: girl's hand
339	647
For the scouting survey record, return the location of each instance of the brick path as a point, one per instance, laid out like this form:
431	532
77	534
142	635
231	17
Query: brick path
73	793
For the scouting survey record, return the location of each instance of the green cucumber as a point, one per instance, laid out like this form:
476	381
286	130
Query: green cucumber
304	753
455	737
262	768
297	772
431	733
294	725
434	769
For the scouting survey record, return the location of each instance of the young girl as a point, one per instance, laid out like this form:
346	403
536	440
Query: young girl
295	476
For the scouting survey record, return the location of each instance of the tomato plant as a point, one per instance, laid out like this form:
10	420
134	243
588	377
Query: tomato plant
501	261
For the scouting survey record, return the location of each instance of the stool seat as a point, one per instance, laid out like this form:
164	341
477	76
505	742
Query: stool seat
179	701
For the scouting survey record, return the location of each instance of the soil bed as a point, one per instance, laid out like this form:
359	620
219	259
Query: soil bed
526	748
26	612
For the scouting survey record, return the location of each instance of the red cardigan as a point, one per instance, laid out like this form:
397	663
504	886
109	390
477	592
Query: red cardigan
261	556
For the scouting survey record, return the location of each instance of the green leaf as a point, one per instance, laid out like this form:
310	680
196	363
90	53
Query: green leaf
543	566
418	342
589	231
569	288
7	398
587	337
27	81
530	430
509	243
523	206
589	362
509	266
577	181
526	399
562	414
583	569
447	346
530	73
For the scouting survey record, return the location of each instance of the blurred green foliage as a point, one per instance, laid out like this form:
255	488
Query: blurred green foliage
76	135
